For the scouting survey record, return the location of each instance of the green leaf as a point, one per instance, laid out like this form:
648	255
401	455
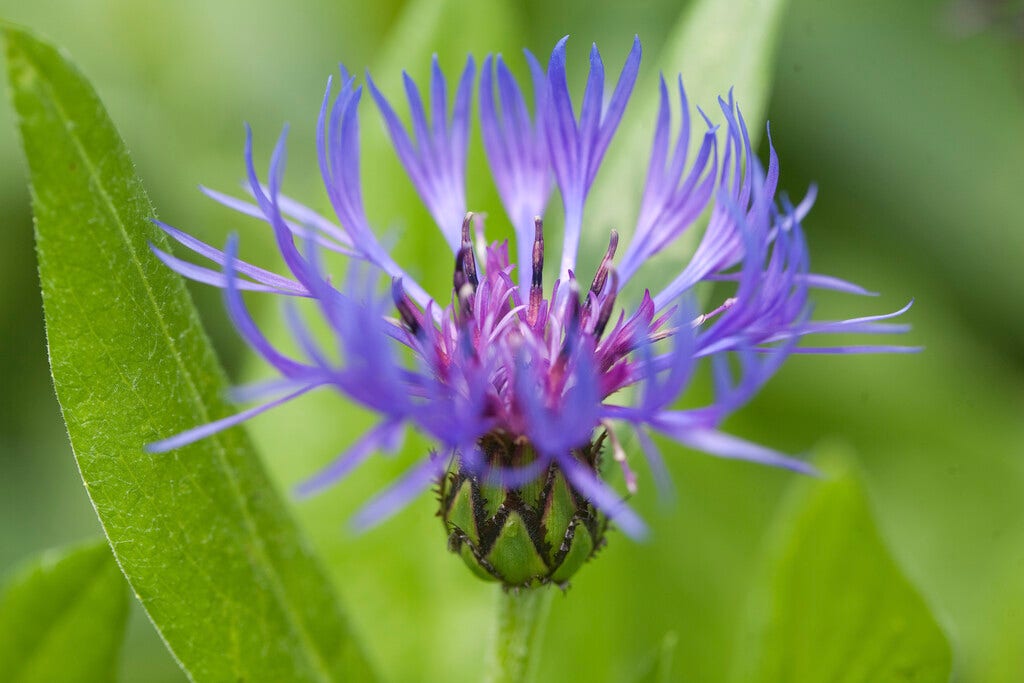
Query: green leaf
834	605
63	618
657	668
205	541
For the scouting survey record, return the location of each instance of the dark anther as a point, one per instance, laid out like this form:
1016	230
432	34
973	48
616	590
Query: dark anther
601	276
572	324
572	333
602	270
410	316
537	281
465	278
465	260
538	253
606	308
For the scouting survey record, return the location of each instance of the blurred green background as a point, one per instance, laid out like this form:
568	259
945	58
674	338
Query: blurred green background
909	116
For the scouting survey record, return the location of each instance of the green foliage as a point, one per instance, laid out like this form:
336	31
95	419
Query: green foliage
205	542
834	605
63	618
1005	649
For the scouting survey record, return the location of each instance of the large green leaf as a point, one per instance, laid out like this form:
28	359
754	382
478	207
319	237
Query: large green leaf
202	536
834	605
63	618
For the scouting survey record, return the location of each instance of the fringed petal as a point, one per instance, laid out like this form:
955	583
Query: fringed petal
198	433
436	162
384	437
577	149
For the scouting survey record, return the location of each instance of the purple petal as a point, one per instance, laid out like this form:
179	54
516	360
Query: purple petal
244	323
436	165
820	281
260	390
285	245
844	350
324	232
727	446
384	436
661	476
561	130
516	151
461	119
271	280
616	107
398	495
577	151
216	278
197	433
590	111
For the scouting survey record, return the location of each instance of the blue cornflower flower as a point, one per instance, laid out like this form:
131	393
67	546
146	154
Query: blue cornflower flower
515	383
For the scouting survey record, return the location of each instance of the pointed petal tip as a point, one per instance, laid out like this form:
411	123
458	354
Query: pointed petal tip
306	490
635	52
630	523
803	467
532	60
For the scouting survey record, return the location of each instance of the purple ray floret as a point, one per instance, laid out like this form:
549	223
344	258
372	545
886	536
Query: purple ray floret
499	353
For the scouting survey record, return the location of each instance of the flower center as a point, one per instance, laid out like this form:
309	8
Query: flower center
489	334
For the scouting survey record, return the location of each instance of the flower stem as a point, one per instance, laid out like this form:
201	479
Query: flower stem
514	651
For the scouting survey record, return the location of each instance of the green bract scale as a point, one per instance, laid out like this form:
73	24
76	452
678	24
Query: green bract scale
540	532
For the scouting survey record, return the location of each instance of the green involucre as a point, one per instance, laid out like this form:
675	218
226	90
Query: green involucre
538	533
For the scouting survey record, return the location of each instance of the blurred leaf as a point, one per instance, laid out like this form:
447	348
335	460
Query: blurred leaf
659	667
63	618
1002	656
204	540
916	130
834	605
